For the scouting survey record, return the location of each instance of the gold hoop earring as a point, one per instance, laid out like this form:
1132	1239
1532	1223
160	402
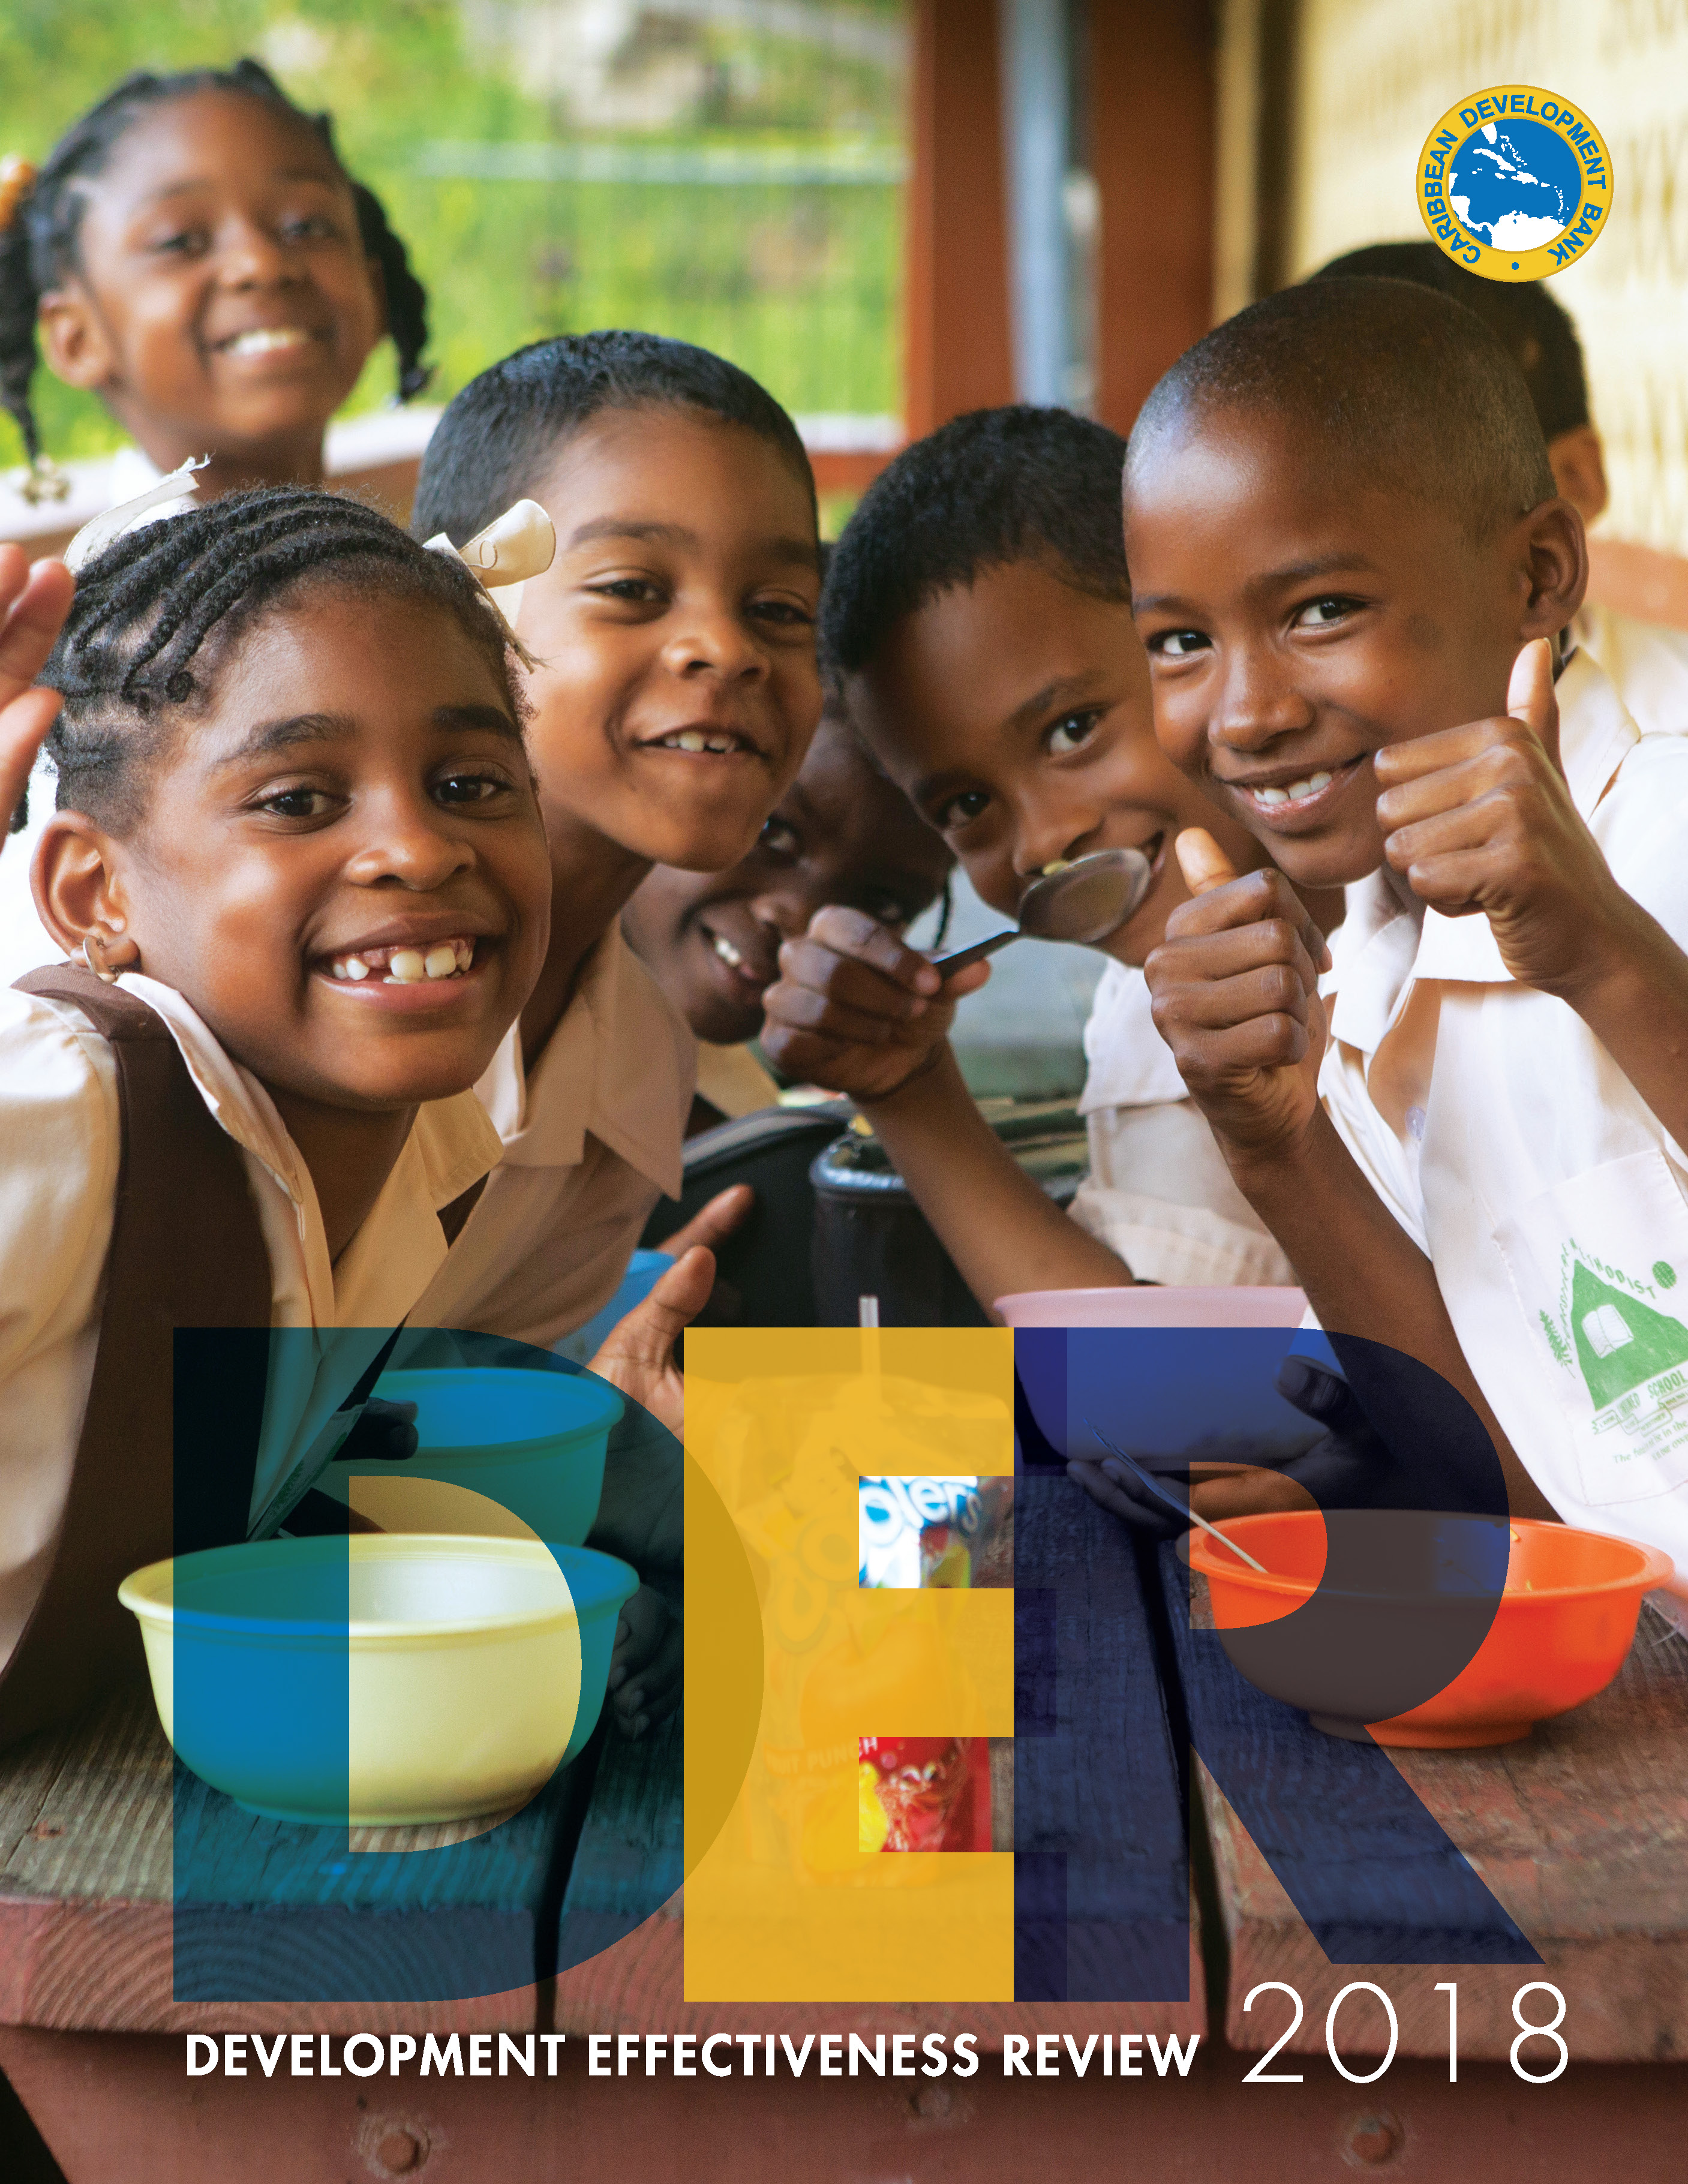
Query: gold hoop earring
95	957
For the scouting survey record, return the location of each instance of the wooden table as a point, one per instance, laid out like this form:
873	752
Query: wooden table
1577	1837
1092	1804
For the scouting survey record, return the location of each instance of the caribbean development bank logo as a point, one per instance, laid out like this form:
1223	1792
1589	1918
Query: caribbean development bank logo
1515	183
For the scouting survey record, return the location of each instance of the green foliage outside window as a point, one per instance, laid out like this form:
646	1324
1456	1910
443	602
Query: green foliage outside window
727	172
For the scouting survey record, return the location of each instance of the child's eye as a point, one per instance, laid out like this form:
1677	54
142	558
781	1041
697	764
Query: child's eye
788	614
184	243
468	788
779	839
961	811
1326	613
1177	643
311	227
1070	731
296	804
630	591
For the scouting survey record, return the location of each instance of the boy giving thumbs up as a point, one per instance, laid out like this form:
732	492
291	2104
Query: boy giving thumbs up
1467	1132
1352	572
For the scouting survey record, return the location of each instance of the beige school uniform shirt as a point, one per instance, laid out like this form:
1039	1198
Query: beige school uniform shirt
1552	1202
60	1143
1158	1191
590	1141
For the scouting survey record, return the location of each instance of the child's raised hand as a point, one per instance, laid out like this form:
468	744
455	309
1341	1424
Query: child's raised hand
856	1010
33	604
637	1354
1235	987
713	1223
1480	818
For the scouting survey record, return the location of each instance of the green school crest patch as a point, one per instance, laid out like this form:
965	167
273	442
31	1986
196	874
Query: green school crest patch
1621	1342
1594	1264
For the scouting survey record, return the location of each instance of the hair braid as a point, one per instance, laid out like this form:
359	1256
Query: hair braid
145	608
407	300
39	246
271	550
17	303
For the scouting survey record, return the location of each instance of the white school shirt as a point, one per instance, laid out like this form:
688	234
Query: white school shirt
60	1143
1159	1192
1552	1202
1647	666
591	1139
26	943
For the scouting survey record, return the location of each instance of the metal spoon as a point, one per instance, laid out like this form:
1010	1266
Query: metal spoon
1084	901
1148	1479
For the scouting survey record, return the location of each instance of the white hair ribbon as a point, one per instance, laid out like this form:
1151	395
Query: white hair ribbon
523	543
130	514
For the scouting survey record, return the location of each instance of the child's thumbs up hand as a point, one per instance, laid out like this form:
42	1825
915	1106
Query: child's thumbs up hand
1531	699
1203	863
1235	987
1479	819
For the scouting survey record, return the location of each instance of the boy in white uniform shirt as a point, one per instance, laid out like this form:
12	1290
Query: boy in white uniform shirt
978	611
1349	558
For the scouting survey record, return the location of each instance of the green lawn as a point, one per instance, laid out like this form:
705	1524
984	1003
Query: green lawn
797	279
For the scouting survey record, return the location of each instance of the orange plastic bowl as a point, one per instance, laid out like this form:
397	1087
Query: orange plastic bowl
1560	1633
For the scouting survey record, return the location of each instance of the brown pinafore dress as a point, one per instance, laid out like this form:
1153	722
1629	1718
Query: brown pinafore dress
163	1466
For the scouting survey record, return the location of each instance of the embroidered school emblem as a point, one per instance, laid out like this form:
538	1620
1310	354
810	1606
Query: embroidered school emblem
1515	183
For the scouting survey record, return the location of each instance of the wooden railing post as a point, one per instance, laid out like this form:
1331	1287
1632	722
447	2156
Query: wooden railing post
1152	144
957	352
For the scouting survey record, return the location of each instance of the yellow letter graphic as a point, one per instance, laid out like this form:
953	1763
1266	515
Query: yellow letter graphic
782	1902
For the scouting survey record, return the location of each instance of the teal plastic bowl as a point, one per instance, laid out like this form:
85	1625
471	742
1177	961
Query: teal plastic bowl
532	1442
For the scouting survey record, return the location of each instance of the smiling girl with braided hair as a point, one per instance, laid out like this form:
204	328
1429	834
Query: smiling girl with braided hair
193	251
298	865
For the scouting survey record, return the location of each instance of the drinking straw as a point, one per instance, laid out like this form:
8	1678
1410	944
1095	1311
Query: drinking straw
868	1307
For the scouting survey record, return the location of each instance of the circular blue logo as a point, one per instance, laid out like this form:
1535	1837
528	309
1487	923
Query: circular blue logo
1515	183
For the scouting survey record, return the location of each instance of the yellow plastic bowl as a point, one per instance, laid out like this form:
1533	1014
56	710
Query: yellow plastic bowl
379	1679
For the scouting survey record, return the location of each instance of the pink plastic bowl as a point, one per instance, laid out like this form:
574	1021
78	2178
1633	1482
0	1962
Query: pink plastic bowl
1147	1306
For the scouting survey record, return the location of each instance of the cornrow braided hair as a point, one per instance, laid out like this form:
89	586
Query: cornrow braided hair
38	247
129	657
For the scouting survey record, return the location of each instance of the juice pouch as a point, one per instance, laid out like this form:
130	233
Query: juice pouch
925	1793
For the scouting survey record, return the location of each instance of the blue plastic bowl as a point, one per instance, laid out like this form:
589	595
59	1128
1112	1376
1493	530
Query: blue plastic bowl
533	1443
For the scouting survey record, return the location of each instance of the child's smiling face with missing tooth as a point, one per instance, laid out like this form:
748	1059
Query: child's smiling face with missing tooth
1298	620
356	787
1014	711
677	691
